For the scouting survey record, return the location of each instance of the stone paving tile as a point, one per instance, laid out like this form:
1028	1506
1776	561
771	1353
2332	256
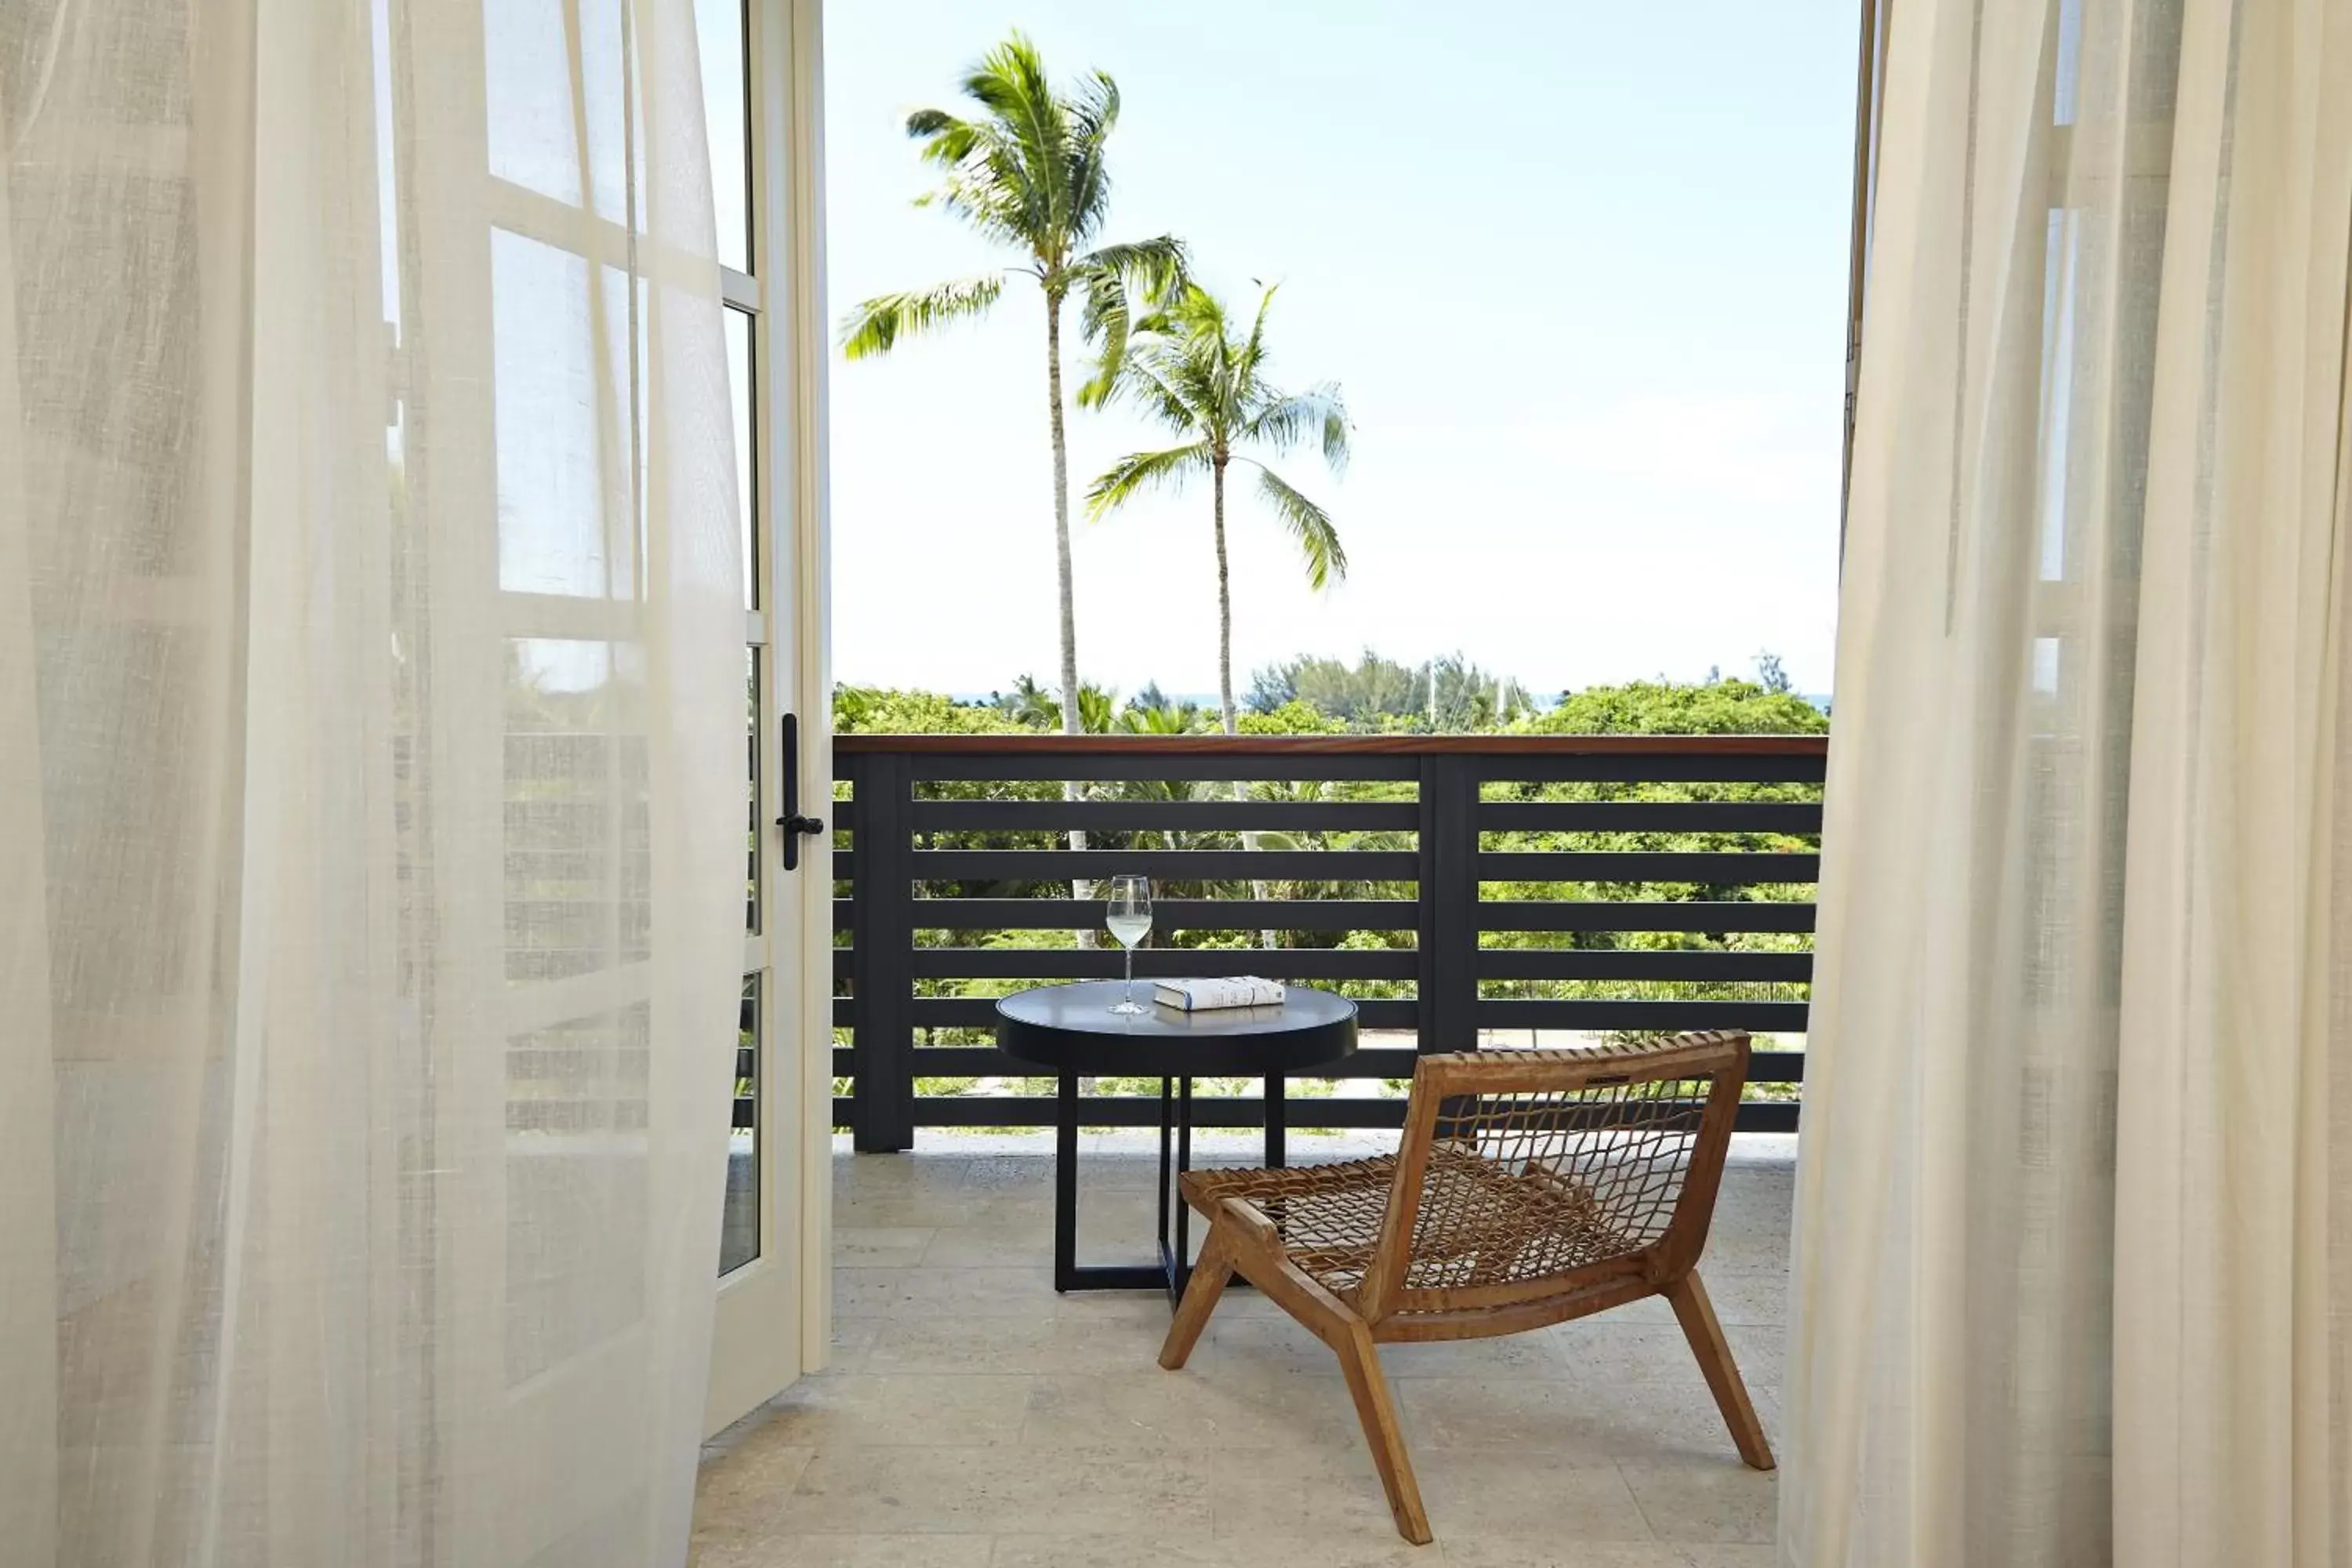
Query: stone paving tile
972	1418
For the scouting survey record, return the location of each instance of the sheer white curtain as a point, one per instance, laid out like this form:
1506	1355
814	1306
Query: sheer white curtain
2075	1194
370	781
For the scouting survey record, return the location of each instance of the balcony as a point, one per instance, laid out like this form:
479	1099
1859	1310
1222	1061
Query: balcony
1465	890
972	1418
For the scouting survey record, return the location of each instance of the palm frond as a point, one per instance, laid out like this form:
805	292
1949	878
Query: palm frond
1140	471
984	182
1289	421
947	139
1212	373
1011	83
876	326
1092	111
1254	352
1104	323
1028	170
1111	278
1156	268
1181	367
1310	525
1145	380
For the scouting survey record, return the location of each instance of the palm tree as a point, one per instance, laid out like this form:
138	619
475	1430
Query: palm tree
1028	173
1187	370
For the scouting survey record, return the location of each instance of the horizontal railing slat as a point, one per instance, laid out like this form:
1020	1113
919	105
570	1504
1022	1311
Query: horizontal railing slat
1310	963
1141	1110
1488	749
1377	1061
1164	816
1532	768
1160	963
1170	914
1612	915
1637	1017
987	1061
1796	818
1162	767
979	1013
1167	864
1727	767
1720	868
1641	963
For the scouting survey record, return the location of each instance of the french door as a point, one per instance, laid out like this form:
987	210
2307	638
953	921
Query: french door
545	304
761	60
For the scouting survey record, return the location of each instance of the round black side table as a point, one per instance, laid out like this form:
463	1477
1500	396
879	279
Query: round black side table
1071	1031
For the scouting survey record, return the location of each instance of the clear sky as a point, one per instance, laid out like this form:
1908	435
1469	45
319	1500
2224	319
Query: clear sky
1579	267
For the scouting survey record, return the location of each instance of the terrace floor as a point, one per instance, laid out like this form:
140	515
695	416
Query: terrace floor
974	1419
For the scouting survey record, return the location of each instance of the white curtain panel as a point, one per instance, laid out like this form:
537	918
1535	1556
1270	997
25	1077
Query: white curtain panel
371	781
2074	1252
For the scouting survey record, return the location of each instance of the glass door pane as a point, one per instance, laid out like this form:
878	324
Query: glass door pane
719	29
738	325
739	1235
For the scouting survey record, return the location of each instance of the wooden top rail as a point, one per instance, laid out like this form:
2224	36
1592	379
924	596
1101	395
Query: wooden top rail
1048	743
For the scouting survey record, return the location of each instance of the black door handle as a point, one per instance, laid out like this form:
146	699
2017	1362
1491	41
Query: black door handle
792	821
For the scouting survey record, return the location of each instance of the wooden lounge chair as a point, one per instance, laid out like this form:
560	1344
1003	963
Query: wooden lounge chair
1530	1187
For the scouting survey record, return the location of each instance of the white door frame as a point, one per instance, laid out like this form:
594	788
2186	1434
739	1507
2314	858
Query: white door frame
772	1316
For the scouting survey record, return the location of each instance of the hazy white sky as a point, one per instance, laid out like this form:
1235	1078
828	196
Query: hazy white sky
1580	269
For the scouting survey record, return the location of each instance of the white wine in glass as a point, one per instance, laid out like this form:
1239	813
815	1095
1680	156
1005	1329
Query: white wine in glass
1128	916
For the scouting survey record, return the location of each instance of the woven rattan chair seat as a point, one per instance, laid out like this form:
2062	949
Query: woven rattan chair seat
1497	1225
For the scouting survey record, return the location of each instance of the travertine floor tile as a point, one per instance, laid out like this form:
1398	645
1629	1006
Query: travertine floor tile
774	1550
1015	1344
1551	1551
1725	1501
863	1409
971	1416
1610	1347
1208	1551
995	1490
880	1246
943	1293
1723	1556
1475	1491
742	1491
1545	1421
1156	1411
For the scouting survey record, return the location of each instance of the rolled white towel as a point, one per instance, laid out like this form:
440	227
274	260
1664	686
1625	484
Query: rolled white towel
1199	995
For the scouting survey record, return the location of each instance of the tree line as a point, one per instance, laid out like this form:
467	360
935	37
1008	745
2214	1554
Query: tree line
1318	696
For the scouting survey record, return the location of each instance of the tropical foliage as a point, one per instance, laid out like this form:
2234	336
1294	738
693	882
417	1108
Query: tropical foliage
1444	694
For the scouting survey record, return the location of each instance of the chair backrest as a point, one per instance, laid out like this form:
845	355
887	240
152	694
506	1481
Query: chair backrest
1528	1175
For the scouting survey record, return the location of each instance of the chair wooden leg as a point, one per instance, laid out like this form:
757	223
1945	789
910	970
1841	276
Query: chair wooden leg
1696	1315
1201	1294
1360	1362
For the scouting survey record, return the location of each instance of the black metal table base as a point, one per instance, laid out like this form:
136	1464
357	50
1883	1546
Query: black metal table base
1174	1269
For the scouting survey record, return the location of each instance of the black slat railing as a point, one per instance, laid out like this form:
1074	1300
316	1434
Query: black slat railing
1451	884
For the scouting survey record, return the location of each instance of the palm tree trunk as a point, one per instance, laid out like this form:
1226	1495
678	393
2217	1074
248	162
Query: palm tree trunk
1225	602
1071	722
1225	659
1070	719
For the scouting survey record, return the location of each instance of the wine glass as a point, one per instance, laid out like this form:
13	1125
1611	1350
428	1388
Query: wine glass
1128	916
